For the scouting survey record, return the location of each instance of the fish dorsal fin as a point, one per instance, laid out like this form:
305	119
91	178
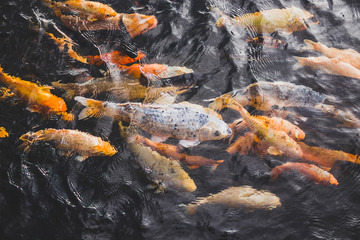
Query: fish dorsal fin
46	89
158	138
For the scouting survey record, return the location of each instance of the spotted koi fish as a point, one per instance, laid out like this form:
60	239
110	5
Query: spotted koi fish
171	151
287	20
244	197
188	122
38	98
70	141
349	56
312	172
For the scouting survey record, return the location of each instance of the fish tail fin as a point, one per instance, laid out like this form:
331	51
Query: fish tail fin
28	139
214	166
275	172
310	45
68	117
71	89
93	108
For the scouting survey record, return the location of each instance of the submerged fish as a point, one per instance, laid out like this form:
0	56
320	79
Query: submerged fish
115	57
123	90
244	197
3	133
279	141
38	98
275	123
70	141
134	23
89	10
287	20
330	66
243	145
344	55
268	41
188	122
312	172
171	151
265	95
159	70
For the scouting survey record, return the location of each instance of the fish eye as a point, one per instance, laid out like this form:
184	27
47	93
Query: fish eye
217	133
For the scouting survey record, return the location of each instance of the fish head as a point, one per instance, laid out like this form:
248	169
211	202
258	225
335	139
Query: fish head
137	24
215	129
55	104
105	149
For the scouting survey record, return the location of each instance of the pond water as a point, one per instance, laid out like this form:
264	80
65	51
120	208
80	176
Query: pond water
45	194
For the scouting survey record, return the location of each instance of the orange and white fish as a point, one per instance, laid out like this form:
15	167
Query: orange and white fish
312	172
287	20
89	10
280	142
115	57
275	123
171	151
3	133
330	66
38	98
344	55
158	70
70	141
244	197
190	123
134	23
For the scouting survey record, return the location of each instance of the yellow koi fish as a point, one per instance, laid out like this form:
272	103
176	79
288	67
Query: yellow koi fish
38	98
3	133
70	141
287	20
244	197
349	56
330	66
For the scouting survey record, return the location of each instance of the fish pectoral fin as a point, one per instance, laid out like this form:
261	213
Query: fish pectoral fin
274	151
189	143
158	138
193	167
81	158
46	88
34	108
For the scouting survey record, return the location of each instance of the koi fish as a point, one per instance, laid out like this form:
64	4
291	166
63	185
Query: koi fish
330	66
188	122
115	57
287	20
172	152
275	123
280	142
124	90
346	117
264	95
38	98
243	145
135	23
312	172
268	41
70	141
158	70
89	10
244	197
3	133
325	157
349	56
167	172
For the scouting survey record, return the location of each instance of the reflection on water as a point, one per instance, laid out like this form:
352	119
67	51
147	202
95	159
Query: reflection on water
47	193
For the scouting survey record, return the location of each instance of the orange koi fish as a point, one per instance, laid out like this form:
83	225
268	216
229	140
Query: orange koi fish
70	141
244	197
312	172
158	70
115	57
325	157
243	145
135	23
89	10
287	20
330	66
171	151
38	98
3	133
275	123
279	141
349	56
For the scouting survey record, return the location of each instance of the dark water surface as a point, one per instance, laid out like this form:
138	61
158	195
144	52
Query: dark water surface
45	195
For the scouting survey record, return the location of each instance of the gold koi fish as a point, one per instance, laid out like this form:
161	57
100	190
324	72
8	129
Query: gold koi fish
158	70
70	141
244	197
287	20
312	172
3	133
172	152
330	66
190	123
38	98
349	56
